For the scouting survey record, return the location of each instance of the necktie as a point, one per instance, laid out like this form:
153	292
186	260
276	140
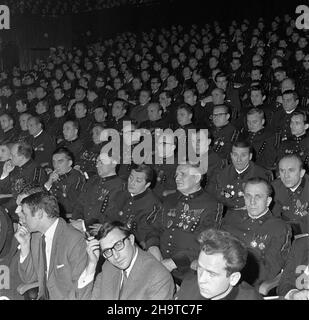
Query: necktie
45	294
123	284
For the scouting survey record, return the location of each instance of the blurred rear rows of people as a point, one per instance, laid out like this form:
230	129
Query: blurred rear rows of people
248	84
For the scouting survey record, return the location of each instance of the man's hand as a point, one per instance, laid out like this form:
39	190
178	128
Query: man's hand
93	251
7	168
155	251
23	237
54	176
300	295
95	228
169	264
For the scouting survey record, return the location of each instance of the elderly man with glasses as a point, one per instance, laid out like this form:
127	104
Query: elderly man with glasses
128	272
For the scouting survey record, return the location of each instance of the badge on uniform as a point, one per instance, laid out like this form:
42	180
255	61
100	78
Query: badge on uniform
169	223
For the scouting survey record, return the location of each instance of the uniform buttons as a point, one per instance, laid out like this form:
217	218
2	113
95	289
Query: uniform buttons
169	244
245	234
167	251
173	229
130	202
171	237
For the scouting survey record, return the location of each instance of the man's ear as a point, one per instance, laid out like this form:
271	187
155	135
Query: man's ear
234	278
269	199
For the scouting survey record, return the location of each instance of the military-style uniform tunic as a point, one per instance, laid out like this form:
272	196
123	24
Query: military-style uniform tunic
43	146
223	138
293	207
296	271
268	240
165	177
229	184
137	212
97	201
179	223
67	191
263	143
295	145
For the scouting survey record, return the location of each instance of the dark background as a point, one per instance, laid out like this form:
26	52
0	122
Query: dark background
30	37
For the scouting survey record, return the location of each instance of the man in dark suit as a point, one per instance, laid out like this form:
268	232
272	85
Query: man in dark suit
52	252
293	283
128	273
221	259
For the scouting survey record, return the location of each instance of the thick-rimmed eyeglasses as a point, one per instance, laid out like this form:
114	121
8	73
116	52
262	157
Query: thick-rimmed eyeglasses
118	246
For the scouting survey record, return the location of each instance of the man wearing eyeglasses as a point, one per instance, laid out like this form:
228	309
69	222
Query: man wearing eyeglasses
224	133
128	272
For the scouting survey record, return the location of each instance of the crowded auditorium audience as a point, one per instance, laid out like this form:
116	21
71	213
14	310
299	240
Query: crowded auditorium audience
101	195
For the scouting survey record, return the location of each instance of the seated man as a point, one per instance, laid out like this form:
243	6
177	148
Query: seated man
137	205
210	162
266	237
42	143
8	259
22	170
298	143
260	138
294	282
229	182
221	260
9	133
98	198
65	182
128	273
291	191
165	165
71	138
224	133
184	214
44	233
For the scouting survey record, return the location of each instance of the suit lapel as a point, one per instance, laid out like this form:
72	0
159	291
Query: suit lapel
133	276
57	240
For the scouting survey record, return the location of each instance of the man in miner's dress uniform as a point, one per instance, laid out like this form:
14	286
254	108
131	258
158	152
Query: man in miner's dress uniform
65	183
292	194
21	171
298	143
267	237
97	201
229	182
138	205
184	214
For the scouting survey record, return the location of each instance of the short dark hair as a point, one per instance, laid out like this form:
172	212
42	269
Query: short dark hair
62	150
256	111
146	169
42	200
257	180
185	107
242	144
293	156
108	226
292	92
74	124
235	254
